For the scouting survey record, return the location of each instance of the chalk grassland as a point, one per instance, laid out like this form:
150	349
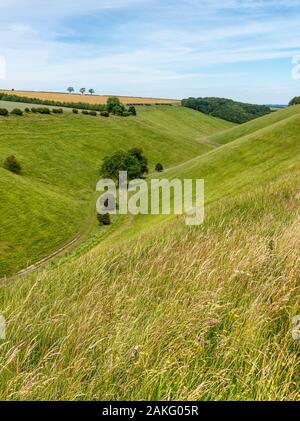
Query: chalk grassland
240	165
89	99
170	311
176	313
49	204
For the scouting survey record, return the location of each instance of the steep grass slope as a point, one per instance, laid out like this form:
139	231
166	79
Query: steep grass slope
255	125
178	313
201	313
61	157
238	166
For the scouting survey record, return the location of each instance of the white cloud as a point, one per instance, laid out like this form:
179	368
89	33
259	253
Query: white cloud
164	50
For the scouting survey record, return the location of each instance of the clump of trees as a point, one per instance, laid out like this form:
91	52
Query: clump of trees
115	107
133	161
295	101
57	111
227	109
159	167
12	164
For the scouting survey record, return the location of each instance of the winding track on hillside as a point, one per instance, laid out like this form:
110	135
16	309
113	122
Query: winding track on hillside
83	235
87	228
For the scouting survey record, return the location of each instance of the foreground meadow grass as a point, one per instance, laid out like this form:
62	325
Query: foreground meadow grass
178	313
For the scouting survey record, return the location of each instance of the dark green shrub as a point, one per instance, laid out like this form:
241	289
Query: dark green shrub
159	167
4	112
93	113
104	113
57	111
34	110
17	111
85	112
11	164
43	110
27	110
75	111
132	109
104	219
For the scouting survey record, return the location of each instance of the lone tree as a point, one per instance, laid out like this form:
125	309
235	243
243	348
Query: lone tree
159	167
104	219
91	91
11	164
82	90
70	89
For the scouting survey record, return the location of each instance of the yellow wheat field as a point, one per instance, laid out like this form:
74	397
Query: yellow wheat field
89	99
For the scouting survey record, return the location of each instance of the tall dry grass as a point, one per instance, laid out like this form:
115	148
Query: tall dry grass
180	313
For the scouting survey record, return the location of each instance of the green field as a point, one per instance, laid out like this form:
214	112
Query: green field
54	199
158	310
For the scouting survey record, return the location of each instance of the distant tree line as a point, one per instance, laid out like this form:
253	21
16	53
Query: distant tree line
227	109
295	101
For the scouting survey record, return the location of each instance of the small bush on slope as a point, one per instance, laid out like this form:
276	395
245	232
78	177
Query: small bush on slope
11	164
4	112
17	111
208	316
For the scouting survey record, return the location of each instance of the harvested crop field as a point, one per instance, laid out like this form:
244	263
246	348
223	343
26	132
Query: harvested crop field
89	99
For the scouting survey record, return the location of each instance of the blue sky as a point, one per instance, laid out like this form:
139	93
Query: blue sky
241	49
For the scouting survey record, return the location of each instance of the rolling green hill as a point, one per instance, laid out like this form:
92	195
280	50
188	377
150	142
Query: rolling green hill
254	125
175	313
240	165
164	311
53	200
